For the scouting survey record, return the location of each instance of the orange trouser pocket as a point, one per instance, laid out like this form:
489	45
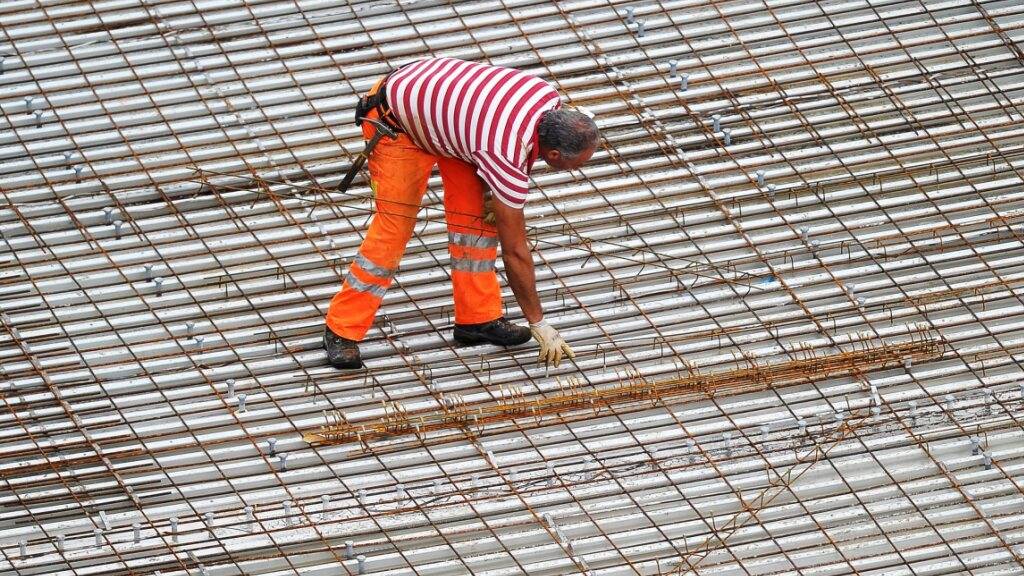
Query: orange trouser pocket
472	244
399	171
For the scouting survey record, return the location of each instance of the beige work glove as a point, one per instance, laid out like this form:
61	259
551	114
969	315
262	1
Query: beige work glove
489	210
552	345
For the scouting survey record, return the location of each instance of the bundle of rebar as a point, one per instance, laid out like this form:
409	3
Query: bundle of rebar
516	409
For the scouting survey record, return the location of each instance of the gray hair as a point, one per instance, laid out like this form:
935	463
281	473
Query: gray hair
568	131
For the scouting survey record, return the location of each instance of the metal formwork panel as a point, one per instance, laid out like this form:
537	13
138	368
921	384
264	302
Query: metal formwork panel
792	275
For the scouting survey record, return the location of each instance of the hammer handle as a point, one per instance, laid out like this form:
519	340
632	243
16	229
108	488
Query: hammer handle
347	180
382	130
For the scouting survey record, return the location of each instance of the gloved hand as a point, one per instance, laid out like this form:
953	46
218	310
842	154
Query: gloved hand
552	345
489	210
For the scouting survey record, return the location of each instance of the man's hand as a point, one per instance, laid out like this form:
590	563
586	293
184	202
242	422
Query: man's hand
489	210
552	345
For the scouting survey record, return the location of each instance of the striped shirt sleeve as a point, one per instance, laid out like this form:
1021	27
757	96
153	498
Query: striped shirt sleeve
509	183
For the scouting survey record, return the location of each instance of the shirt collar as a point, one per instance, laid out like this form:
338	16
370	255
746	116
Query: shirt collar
535	140
535	148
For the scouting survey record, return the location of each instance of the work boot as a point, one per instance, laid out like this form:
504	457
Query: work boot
500	332
341	352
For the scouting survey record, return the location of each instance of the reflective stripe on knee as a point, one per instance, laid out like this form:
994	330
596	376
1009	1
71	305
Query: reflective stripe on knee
368	266
472	240
360	286
472	265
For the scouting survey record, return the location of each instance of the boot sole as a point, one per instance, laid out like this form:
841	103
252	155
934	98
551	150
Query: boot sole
463	337
346	365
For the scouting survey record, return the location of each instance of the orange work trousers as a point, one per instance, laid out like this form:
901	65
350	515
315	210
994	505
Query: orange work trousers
399	171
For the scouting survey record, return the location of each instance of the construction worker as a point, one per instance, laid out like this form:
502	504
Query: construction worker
483	126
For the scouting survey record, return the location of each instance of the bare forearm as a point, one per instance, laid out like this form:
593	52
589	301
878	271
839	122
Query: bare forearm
515	252
519	269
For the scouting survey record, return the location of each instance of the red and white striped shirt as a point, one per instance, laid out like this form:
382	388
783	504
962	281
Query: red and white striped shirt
485	115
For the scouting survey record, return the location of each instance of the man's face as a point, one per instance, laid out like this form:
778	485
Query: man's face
555	159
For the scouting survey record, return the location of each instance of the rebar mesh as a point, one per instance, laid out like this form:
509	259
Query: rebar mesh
792	274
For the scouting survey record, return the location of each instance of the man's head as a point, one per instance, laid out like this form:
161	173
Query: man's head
567	138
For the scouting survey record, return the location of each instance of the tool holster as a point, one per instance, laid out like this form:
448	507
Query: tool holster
376	99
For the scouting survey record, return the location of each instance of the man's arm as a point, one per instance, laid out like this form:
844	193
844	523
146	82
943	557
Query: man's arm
515	253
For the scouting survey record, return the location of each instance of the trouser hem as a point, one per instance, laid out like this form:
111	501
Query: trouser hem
477	318
351	333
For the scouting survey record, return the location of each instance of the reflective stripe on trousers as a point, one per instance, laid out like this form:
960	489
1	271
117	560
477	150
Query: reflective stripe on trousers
472	240
470	265
360	286
472	252
378	271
